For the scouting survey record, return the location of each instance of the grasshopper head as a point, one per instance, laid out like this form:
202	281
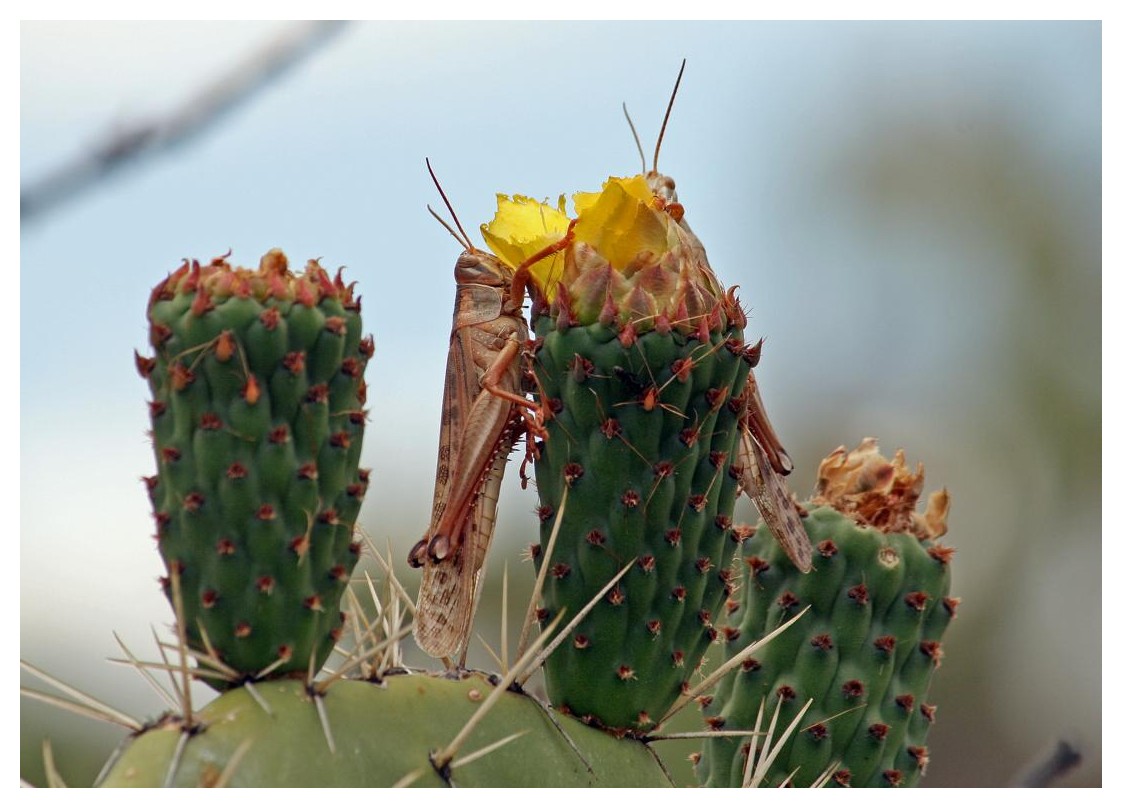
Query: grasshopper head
662	186
482	268
666	194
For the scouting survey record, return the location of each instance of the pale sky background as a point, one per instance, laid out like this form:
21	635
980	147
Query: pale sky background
912	212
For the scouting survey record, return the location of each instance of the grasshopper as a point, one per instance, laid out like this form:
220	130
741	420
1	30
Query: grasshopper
485	410
762	462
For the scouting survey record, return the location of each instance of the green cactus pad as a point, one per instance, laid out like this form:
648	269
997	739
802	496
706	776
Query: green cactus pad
381	733
642	433
257	420
864	652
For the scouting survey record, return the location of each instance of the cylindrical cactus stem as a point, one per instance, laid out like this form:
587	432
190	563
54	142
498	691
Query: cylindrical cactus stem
257	420
641	369
866	648
645	458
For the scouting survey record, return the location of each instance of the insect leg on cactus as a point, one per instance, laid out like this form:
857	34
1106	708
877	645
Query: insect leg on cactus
484	411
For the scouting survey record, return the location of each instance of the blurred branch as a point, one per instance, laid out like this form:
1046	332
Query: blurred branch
1051	764
144	138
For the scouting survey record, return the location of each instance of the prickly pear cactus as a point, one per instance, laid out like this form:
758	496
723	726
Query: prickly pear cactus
641	368
365	735
257	421
865	650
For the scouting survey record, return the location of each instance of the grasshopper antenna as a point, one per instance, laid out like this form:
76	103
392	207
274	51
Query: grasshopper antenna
666	119
634	134
465	242
467	246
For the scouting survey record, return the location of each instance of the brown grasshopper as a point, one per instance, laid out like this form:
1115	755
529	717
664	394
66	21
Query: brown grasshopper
761	461
484	411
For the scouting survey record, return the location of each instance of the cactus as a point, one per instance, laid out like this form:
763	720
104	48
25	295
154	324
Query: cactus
865	650
363	735
644	383
641	368
859	660
257	421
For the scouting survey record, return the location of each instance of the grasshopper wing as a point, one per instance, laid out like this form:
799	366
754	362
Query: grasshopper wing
777	507
763	484
447	601
477	432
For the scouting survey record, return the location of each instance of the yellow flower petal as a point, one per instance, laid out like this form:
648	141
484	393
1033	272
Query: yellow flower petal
632	186
621	222
522	227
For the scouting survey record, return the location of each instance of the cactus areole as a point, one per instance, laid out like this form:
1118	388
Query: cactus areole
257	418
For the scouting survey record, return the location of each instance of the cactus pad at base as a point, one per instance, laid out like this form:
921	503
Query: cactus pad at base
382	733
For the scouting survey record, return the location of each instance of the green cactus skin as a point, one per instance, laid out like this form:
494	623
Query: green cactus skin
257	420
643	435
865	652
382	733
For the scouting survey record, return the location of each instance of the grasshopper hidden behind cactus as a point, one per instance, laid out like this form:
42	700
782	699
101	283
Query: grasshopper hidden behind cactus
655	422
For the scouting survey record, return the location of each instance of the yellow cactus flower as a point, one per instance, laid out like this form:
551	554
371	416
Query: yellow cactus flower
622	223
523	227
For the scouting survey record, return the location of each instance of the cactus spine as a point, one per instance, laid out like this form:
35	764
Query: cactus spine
257	422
